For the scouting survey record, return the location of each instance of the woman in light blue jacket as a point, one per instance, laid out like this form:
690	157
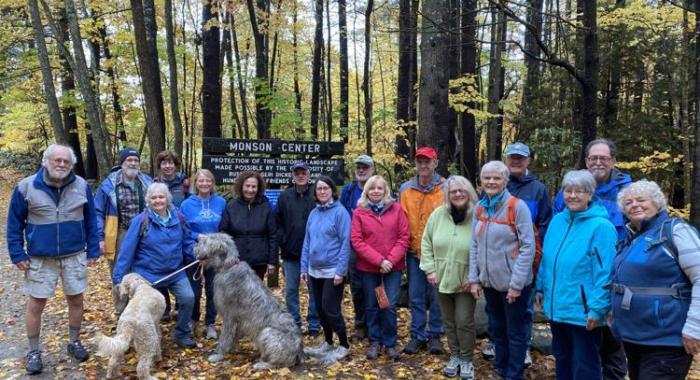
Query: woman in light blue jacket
577	258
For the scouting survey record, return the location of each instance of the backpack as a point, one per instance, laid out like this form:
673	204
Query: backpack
144	222
666	237
510	221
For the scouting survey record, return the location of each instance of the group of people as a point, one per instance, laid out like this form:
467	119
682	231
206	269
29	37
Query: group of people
614	274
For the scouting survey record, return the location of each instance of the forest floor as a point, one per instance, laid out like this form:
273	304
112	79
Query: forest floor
190	364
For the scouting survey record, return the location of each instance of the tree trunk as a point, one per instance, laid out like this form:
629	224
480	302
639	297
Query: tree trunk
59	131
68	111
532	65
366	80
403	82
211	78
316	69
81	72
468	65
329	81
299	130
493	148
695	194
236	129
172	70
453	72
344	70
263	115
590	74
433	104
145	33
243	92
116	103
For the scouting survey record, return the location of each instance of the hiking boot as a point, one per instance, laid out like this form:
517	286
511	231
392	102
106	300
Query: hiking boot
34	364
211	332
528	360
77	351
318	350
452	366
392	353
435	346
373	352
489	351
185	342
414	346
466	370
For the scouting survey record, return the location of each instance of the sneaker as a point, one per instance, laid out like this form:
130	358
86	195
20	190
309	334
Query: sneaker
452	366
185	342
435	346
34	364
318	350
211	332
392	353
373	352
489	351
340	353
528	360
77	351
466	370
414	346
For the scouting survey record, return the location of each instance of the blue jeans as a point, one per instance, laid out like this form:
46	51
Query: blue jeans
381	324
184	297
509	323
292	271
422	301
575	350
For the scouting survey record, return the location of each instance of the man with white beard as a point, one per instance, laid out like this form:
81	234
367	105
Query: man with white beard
53	210
120	197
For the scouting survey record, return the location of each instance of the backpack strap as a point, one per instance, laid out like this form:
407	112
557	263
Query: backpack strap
144	222
666	237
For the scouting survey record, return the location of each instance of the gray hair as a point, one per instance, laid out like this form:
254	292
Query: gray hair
158	187
611	146
372	182
644	188
459	182
495	166
580	178
51	149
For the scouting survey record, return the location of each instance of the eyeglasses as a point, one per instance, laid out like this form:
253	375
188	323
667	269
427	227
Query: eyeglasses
323	188
577	192
458	191
603	159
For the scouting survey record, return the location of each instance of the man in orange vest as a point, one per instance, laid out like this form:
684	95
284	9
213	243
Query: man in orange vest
419	196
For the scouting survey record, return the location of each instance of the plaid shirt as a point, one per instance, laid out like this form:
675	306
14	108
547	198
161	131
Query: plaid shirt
129	204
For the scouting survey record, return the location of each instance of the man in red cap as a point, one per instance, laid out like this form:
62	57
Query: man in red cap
419	196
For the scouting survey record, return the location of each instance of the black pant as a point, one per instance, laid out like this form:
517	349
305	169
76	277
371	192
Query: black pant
210	311
358	296
612	356
657	362
329	298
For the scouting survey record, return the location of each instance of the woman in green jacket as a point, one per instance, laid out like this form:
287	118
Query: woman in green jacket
445	261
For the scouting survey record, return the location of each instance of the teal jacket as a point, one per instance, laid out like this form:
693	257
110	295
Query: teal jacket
577	258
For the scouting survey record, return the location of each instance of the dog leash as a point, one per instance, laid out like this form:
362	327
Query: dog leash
176	272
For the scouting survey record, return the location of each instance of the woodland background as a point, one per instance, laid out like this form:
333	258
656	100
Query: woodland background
465	76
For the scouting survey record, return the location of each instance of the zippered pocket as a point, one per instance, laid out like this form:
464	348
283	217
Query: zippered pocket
585	301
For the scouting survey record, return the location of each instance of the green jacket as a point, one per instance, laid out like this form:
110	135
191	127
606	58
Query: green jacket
445	249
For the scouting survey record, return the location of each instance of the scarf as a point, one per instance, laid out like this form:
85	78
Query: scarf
376	207
489	203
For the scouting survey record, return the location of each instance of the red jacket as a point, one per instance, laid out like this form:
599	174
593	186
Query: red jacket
378	237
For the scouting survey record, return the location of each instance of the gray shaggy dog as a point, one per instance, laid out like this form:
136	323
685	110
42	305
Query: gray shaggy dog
141	308
247	307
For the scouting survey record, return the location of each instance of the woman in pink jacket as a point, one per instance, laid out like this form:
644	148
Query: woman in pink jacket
380	237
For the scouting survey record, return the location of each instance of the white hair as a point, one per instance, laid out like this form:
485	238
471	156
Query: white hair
644	188
495	166
459	182
580	178
51	149
156	187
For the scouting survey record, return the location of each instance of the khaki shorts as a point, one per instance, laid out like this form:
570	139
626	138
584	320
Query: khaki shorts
41	278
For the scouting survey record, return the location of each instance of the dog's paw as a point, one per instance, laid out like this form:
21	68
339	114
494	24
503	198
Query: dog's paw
213	358
261	366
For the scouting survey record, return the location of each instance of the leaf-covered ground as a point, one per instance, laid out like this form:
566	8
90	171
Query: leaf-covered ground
189	364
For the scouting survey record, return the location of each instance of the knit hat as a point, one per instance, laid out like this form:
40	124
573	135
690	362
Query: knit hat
128	152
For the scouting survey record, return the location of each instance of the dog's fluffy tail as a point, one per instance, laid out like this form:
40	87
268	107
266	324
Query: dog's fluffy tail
109	346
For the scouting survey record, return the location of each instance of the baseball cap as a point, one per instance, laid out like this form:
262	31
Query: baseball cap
426	152
300	165
364	160
518	148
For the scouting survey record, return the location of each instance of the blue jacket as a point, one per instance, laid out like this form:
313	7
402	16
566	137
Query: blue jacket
350	195
203	216
535	195
607	196
161	250
644	261
54	222
577	256
327	239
